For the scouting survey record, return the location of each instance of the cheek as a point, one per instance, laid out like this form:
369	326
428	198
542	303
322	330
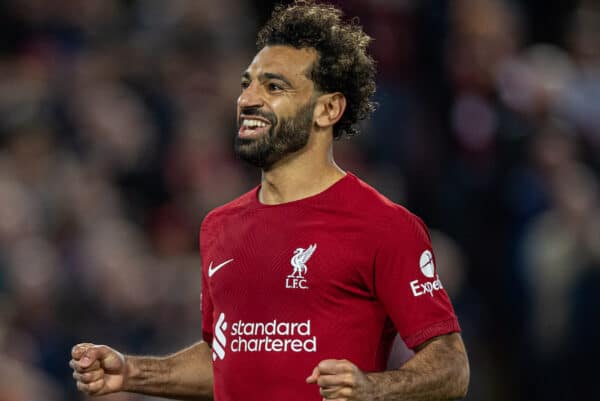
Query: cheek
284	109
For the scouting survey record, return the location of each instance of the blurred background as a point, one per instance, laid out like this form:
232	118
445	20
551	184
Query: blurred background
116	129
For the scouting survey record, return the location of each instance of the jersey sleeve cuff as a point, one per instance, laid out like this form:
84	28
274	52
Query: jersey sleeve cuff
436	329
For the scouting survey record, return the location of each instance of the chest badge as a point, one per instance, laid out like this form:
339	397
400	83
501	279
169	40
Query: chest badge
297	278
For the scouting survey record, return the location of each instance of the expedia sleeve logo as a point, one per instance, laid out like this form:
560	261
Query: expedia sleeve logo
427	266
272	336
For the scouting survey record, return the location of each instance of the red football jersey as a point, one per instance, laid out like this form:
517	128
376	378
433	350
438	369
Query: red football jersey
335	275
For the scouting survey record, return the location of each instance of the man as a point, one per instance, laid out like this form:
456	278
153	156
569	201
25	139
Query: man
308	277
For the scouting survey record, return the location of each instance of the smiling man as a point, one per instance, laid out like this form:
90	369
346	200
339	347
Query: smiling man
275	114
308	277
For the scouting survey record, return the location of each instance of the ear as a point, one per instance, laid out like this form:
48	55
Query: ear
329	109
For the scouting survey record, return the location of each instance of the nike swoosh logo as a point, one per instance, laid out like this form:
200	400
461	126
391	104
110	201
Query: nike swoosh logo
212	270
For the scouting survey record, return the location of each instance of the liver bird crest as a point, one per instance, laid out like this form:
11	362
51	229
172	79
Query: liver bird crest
300	258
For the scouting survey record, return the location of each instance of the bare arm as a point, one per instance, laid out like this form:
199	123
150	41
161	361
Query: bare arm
185	375
438	371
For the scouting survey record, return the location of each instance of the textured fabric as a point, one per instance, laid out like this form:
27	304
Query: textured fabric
335	275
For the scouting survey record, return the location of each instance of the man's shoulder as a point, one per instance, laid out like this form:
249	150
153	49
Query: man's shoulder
232	208
374	203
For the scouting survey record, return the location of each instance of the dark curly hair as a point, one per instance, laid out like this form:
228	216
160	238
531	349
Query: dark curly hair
343	64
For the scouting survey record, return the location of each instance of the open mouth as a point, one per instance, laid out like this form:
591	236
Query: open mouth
252	127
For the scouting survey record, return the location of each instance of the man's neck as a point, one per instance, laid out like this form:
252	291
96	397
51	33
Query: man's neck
299	176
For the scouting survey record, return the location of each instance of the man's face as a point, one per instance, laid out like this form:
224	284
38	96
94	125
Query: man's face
275	108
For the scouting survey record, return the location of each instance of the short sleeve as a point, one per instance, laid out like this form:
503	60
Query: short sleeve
205	296
407	282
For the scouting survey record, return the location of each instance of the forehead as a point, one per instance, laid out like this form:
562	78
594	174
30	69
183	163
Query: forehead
285	60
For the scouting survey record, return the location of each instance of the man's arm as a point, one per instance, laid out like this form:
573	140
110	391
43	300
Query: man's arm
185	375
438	371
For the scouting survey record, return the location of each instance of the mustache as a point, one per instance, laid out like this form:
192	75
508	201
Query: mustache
255	111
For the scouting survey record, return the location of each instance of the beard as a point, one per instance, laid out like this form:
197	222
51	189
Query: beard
282	139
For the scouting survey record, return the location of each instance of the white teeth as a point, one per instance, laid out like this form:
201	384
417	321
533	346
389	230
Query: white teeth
253	123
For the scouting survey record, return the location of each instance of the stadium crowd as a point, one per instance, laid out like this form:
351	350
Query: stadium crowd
116	129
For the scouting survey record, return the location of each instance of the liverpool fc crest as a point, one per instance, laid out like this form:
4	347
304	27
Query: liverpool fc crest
298	262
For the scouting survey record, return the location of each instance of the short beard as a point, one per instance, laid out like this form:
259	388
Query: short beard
289	136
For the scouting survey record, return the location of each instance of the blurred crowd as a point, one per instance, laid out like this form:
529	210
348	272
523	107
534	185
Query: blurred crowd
116	129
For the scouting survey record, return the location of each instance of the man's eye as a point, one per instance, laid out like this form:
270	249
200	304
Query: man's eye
245	84
274	87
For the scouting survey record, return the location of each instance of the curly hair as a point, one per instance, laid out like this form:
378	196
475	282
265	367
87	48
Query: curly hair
343	64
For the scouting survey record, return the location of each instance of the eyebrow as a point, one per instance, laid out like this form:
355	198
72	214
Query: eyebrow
269	75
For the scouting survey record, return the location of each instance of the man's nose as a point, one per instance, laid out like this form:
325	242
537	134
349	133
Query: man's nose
250	97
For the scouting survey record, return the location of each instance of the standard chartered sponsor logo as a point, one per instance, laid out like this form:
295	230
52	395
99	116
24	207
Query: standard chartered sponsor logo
272	336
219	340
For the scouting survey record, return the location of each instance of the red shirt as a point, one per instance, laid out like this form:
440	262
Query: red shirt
335	275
